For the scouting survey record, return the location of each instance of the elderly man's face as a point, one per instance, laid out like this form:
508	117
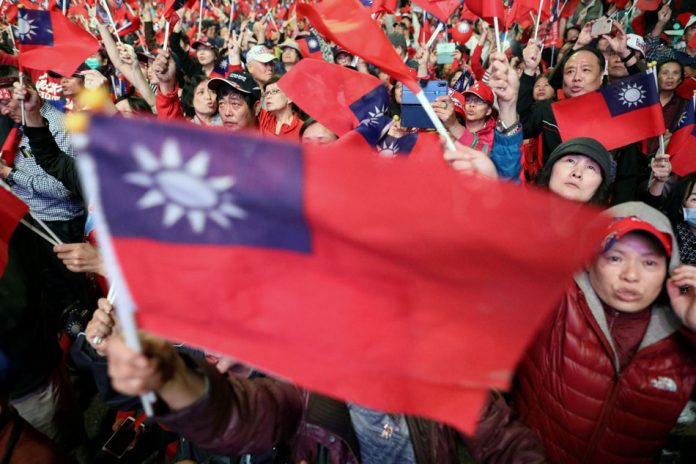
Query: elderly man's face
261	72
235	112
582	74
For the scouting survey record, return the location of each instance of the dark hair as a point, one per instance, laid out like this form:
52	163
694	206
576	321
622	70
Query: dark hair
189	91
681	67
686	186
556	77
250	98
600	197
565	35
295	109
137	104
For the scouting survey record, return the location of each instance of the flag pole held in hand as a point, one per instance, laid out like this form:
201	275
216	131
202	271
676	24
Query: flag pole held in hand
434	119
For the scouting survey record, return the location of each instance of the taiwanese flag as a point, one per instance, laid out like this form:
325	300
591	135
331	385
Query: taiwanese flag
441	10
488	9
648	5
682	145
349	25
365	279
616	115
171	6
49	41
12	210
309	44
340	98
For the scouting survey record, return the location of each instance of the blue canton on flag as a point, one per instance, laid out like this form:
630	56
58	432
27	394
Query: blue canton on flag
372	110
367	3
312	43
466	80
688	117
34	27
59	4
183	184
632	93
391	146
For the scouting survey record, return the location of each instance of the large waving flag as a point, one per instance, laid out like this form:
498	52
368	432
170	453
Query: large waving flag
340	98
49	41
385	282
12	210
617	115
348	24
442	10
682	145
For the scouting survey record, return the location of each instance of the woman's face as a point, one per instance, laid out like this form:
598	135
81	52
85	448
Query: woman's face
276	99
575	178
690	200
398	92
476	109
542	89
205	55
204	100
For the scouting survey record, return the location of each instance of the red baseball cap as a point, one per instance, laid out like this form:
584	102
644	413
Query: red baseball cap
482	91
623	226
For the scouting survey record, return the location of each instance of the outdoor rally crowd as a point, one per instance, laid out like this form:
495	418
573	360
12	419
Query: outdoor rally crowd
607	379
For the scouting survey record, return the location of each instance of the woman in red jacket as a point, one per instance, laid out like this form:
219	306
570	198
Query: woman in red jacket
609	373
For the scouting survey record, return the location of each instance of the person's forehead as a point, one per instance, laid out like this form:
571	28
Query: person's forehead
232	97
582	57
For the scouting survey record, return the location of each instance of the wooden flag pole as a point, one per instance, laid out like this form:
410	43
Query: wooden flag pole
435	120
538	19
497	34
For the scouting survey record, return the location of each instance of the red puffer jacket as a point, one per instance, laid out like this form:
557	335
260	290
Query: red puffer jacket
572	394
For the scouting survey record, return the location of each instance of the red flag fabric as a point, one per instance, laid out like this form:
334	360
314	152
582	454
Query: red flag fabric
310	46
441	10
648	5
400	286
325	91
487	9
682	145
617	115
49	41
11	144
382	6
12	209
349	25
569	8
9	11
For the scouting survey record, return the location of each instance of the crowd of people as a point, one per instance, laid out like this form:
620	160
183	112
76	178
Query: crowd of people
609	376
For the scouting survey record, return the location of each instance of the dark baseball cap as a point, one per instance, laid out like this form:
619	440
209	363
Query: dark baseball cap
241	82
592	149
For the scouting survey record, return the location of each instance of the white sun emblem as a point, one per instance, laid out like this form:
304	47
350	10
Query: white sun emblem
26	28
373	117
632	95
682	119
184	190
388	150
312	43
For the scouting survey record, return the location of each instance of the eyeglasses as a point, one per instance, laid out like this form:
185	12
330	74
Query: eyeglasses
473	99
271	92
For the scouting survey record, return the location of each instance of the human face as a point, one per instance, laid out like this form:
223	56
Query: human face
234	112
669	76
124	108
572	35
276	100
10	108
476	109
204	100
289	56
689	33
582	74
317	134
630	275
261	72
344	59
205	55
71	86
542	89
616	67
690	201
575	178
398	92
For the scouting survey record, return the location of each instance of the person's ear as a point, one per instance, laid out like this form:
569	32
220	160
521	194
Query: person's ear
257	108
490	110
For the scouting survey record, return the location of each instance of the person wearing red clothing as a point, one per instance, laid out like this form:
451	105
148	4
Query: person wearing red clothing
607	376
278	119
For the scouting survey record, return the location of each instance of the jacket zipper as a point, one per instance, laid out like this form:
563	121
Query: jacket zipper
606	409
